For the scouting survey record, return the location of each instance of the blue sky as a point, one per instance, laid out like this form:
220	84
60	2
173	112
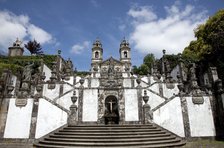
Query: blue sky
72	25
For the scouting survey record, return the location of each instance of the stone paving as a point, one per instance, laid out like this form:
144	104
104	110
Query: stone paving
194	144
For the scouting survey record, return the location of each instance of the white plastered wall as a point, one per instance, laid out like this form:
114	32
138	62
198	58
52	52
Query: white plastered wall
47	72
65	100
49	118
200	118
90	105
131	105
18	120
170	117
51	93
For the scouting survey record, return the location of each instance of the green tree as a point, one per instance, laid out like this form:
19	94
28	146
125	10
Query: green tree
135	69
34	47
143	69
208	49
210	38
149	60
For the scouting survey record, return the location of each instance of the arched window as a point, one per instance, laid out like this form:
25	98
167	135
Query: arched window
125	54
96	54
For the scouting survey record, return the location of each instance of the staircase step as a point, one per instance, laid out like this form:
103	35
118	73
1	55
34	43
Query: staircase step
111	133
108	130
119	136
109	143
110	136
114	126
111	140
109	127
142	146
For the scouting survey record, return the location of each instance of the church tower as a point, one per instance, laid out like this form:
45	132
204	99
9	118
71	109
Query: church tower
97	55
125	55
16	49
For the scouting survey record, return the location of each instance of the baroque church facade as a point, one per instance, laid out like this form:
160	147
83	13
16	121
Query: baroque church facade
110	95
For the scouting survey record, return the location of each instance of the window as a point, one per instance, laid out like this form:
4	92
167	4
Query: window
97	54
125	54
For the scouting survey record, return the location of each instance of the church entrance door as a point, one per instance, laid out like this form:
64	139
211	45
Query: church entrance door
111	114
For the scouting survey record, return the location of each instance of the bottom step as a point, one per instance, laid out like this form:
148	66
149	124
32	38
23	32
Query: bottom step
130	136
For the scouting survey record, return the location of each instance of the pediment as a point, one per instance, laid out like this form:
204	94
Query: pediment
112	61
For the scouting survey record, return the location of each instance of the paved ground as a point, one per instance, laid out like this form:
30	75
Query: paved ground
205	144
194	144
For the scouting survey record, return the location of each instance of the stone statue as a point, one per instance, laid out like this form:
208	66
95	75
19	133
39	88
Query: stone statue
27	71
69	64
110	69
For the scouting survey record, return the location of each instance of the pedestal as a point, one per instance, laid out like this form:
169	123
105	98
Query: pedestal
72	118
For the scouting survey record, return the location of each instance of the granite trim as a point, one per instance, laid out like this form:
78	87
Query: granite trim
185	115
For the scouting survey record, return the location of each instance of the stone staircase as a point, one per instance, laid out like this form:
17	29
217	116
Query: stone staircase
119	136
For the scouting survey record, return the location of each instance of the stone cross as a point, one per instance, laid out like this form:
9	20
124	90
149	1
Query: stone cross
111	105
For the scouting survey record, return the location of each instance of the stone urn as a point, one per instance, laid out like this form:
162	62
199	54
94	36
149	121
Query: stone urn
74	98
39	87
43	76
138	80
145	97
159	76
81	81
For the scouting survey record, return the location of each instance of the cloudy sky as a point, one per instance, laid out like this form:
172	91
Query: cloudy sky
72	25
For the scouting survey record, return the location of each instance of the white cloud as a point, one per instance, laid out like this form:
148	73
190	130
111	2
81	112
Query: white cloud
19	26
79	48
39	34
152	34
143	13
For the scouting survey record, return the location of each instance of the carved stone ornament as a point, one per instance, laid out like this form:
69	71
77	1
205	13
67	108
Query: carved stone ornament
197	97
51	85
138	80
21	99
81	81
21	102
198	100
72	117
111	77
147	114
39	88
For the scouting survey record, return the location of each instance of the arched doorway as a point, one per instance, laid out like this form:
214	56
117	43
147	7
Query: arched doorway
111	114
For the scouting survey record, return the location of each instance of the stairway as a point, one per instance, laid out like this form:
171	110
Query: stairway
119	136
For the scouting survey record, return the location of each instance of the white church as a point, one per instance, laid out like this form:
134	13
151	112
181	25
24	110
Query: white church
109	107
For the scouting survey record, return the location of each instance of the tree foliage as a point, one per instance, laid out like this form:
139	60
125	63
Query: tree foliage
148	60
144	68
210	38
34	47
208	49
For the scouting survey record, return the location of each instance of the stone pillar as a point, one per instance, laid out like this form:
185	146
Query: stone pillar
196	92
80	101
219	109
6	88
147	114
139	95
184	108
72	117
39	94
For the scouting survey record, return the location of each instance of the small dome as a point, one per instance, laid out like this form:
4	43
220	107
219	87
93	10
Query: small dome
17	43
124	43
97	43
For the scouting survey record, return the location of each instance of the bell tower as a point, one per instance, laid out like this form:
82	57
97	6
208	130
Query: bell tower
125	55
16	49
97	55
